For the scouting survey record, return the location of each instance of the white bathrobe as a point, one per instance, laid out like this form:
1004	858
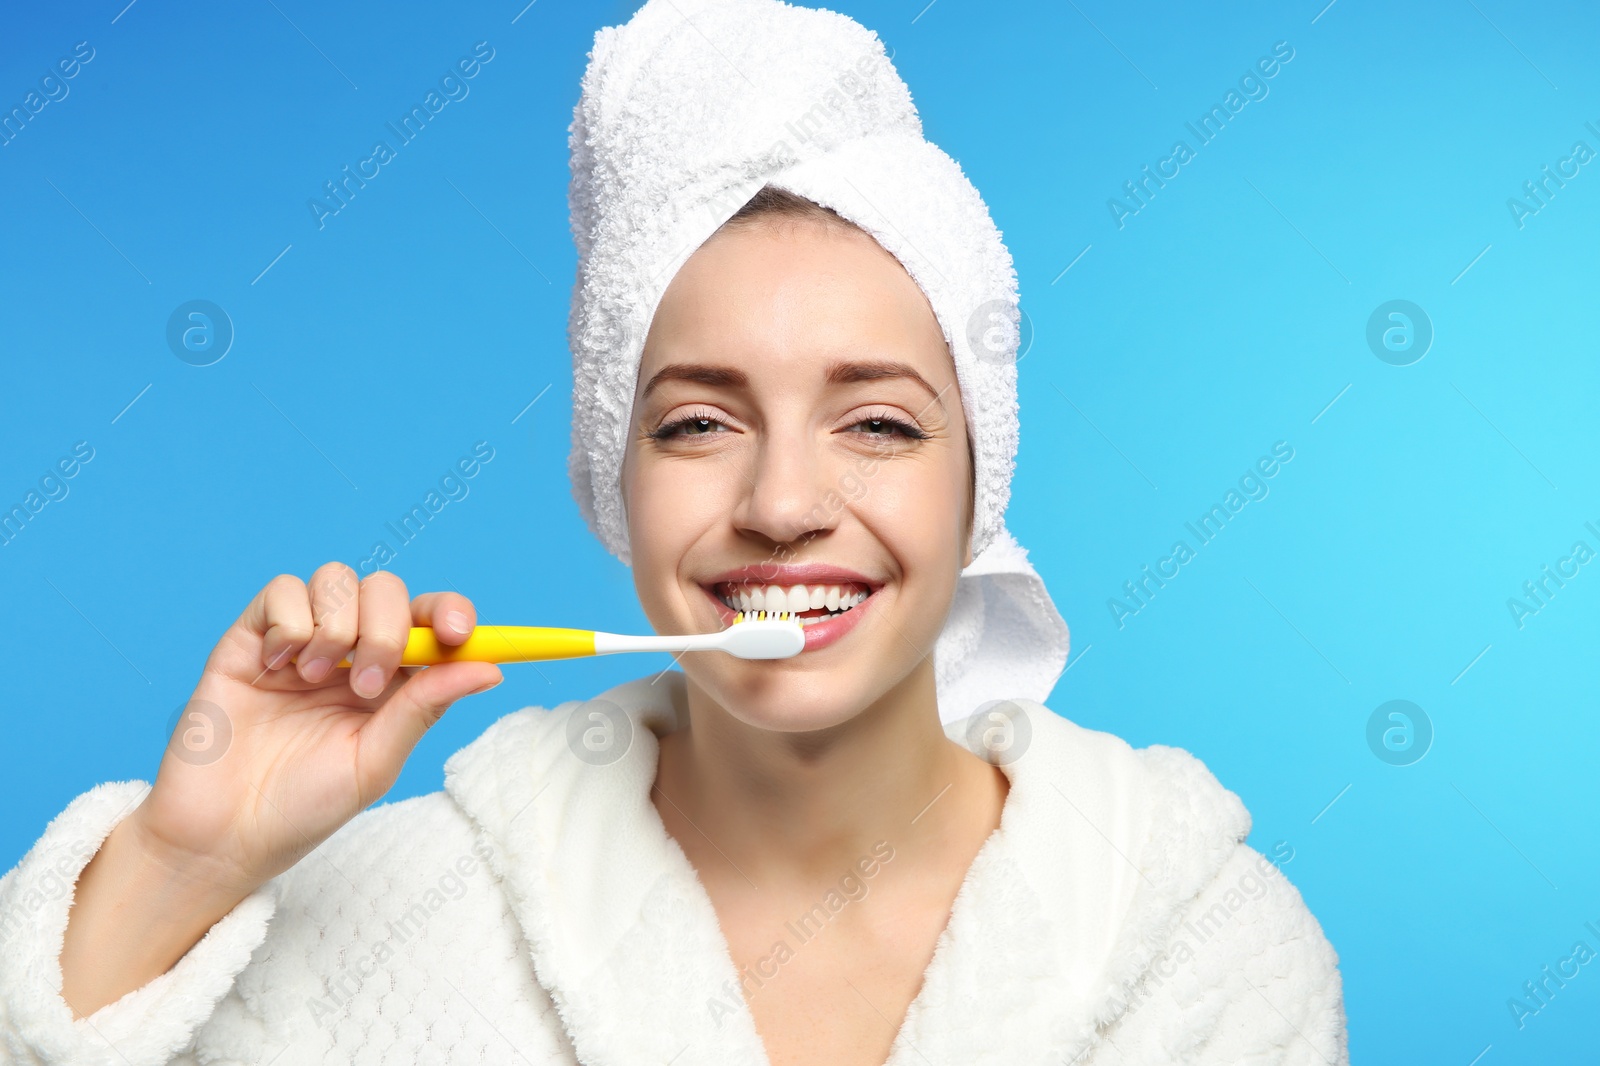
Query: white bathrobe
536	911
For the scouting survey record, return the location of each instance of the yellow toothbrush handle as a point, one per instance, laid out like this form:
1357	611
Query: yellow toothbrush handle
496	644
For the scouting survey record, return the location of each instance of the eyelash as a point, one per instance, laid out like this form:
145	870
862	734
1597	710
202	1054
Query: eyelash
670	429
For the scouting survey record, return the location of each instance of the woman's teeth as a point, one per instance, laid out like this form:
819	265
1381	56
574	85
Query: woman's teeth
833	600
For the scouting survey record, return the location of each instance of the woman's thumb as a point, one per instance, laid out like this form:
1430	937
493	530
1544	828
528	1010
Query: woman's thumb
388	738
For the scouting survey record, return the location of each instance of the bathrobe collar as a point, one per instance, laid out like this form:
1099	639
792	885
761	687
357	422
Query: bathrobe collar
1063	908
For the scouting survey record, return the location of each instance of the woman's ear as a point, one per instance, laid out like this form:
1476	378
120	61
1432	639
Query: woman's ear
972	504
966	540
622	478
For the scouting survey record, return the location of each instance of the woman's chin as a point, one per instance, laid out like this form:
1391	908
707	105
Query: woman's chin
789	704
793	718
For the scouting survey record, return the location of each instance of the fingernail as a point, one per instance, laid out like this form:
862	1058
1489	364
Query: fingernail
487	687
316	669
458	622
369	682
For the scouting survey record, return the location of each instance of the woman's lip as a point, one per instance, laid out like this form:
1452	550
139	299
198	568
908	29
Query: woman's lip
818	634
791	574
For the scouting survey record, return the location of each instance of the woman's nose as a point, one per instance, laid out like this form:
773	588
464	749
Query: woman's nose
784	492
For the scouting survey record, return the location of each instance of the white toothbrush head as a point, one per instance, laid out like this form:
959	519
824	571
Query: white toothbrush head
763	635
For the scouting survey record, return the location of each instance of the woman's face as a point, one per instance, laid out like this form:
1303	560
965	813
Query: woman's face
798	444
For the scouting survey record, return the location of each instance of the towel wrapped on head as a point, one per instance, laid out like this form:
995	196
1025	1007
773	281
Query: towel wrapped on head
686	112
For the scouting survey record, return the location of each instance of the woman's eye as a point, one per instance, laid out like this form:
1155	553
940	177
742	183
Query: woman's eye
888	427
704	426
688	427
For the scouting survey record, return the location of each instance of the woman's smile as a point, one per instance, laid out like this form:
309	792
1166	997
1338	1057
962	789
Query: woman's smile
827	600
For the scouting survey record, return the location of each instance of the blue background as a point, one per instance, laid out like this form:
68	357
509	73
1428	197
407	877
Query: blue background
1229	313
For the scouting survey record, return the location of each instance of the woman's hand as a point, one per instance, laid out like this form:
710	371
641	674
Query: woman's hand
271	756
268	759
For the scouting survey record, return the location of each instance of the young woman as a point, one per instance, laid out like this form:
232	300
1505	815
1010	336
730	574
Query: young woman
840	858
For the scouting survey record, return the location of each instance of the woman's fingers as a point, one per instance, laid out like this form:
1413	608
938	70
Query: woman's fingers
383	628
310	626
281	615
450	614
334	591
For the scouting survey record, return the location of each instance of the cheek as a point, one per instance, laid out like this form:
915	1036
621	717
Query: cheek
918	508
670	505
652	517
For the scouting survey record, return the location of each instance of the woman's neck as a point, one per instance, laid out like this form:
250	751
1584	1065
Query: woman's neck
790	807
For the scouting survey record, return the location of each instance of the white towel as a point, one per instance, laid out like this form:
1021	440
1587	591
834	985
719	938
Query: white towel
686	111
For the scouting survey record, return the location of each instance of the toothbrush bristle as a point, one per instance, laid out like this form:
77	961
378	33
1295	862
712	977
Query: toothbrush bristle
780	637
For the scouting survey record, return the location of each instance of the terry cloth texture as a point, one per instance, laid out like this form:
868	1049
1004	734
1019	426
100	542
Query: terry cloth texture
686	111
536	910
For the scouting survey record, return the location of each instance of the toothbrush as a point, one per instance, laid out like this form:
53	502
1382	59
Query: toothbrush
756	635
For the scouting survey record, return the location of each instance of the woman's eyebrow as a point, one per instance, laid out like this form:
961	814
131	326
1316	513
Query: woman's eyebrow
850	373
725	376
847	373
